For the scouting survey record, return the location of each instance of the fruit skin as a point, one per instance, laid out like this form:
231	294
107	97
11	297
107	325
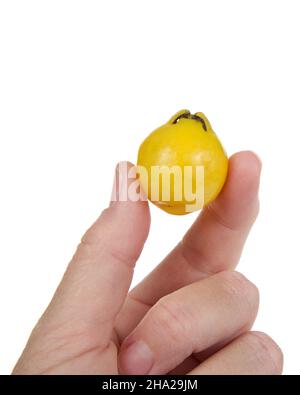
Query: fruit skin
185	140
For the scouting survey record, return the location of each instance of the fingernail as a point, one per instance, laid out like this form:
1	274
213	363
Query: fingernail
136	358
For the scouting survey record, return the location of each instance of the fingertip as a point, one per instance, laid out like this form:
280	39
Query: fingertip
126	186
238	200
243	177
130	204
245	165
127	215
251	155
121	181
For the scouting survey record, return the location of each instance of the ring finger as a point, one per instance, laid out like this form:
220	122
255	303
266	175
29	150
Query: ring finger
253	353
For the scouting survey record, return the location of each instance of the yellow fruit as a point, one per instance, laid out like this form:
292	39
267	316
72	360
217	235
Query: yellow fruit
182	165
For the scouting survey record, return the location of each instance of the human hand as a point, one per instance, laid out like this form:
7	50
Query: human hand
193	313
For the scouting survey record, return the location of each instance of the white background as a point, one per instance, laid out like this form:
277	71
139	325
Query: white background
83	82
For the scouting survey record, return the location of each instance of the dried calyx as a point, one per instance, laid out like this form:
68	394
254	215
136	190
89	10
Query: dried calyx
195	117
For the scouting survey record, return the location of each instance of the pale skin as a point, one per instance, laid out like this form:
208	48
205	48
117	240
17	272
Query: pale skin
192	315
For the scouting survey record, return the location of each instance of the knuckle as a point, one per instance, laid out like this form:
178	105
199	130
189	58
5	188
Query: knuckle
92	251
169	316
84	252
254	212
267	351
93	233
237	285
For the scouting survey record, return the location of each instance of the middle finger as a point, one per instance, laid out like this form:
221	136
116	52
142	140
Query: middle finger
188	321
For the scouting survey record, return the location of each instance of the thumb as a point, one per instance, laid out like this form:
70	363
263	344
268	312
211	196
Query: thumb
97	280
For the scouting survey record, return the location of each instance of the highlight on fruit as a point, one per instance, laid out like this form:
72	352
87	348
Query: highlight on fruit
181	166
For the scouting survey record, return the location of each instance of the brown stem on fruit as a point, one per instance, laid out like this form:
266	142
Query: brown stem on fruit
188	115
